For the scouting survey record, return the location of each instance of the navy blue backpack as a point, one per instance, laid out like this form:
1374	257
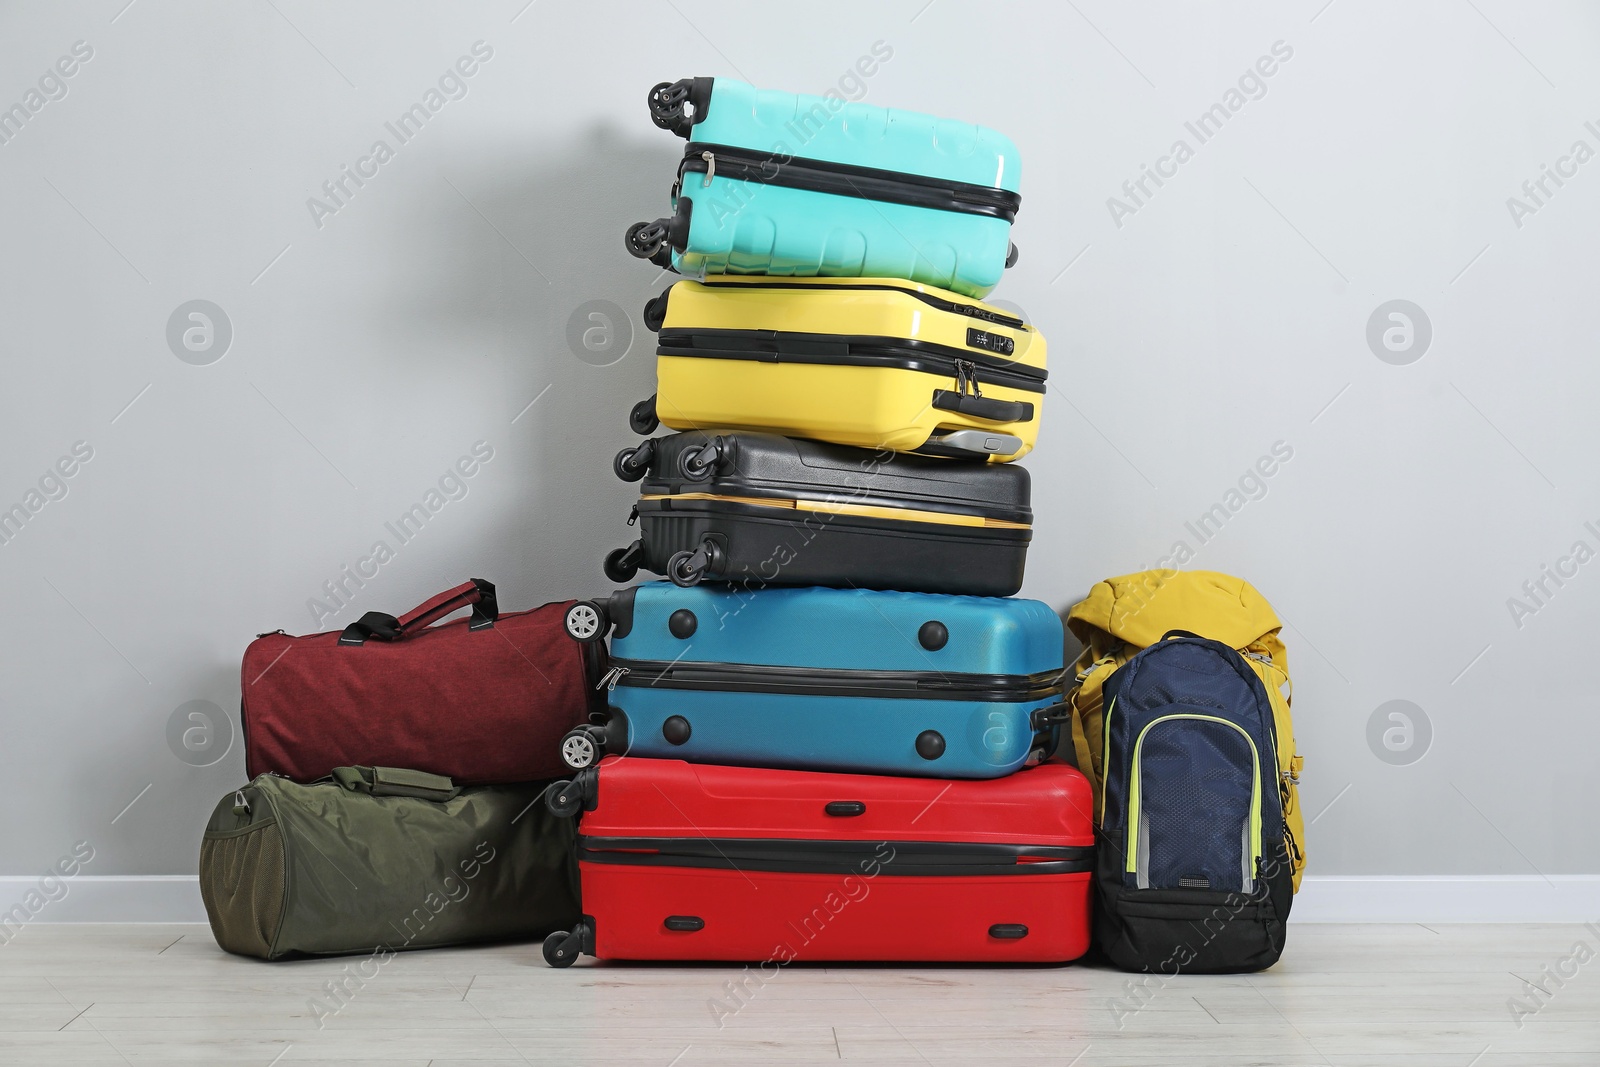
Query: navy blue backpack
1193	876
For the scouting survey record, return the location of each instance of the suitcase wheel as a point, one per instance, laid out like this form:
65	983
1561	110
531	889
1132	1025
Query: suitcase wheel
586	621
642	419
580	748
632	464
1011	255
666	102
682	572
696	464
562	948
688	567
645	239
564	799
622	564
655	311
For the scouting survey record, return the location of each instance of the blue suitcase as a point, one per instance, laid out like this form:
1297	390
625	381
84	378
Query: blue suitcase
825	679
787	184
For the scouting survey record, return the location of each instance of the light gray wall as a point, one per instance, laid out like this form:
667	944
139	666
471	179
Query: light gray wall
1227	312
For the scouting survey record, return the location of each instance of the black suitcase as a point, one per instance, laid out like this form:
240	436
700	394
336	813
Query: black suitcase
757	509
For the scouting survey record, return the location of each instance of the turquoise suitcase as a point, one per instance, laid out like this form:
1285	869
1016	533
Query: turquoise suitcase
804	186
854	680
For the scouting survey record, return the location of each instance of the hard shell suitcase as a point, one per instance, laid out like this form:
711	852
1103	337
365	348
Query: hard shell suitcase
758	509
789	184
871	362
689	862
826	679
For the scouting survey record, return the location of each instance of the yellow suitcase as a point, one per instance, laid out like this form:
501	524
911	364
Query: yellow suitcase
870	362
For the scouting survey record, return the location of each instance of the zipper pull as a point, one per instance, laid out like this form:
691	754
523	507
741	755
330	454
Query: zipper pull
633	515
241	806
711	169
608	681
967	376
269	633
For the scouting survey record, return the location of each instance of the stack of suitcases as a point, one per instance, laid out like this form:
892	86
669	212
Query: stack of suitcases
831	729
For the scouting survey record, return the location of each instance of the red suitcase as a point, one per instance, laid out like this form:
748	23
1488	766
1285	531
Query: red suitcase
683	861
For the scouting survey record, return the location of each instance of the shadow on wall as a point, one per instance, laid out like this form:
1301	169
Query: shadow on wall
533	288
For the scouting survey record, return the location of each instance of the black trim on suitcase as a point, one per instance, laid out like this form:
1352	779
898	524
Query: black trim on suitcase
670	503
823	681
846	179
847	350
970	310
784	855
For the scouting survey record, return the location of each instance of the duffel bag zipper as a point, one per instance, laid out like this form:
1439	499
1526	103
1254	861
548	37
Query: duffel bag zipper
845	179
824	681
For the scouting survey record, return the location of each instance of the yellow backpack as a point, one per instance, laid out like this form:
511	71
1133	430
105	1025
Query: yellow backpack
1121	616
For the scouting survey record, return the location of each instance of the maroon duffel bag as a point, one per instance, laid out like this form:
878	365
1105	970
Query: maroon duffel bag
480	700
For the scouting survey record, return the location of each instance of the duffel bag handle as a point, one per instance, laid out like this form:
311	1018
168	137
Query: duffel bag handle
475	592
396	782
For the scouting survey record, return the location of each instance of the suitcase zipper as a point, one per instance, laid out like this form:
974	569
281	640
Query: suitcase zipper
769	346
844	179
609	680
843	509
799	856
823	681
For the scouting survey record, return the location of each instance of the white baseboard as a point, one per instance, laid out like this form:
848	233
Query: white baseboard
141	898
1327	899
1567	898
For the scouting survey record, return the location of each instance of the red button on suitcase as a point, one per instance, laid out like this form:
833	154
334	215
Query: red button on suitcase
686	861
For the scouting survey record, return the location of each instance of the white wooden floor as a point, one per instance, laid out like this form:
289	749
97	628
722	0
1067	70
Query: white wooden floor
1395	996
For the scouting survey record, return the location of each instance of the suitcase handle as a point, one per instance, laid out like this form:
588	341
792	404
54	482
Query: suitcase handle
1054	715
477	592
982	407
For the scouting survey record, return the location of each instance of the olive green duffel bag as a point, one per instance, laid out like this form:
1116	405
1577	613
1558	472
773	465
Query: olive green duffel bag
380	859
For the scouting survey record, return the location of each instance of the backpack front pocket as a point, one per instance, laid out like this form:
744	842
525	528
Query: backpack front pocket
1194	810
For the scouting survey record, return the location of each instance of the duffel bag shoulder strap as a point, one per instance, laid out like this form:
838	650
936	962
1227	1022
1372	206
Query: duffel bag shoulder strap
477	593
396	782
